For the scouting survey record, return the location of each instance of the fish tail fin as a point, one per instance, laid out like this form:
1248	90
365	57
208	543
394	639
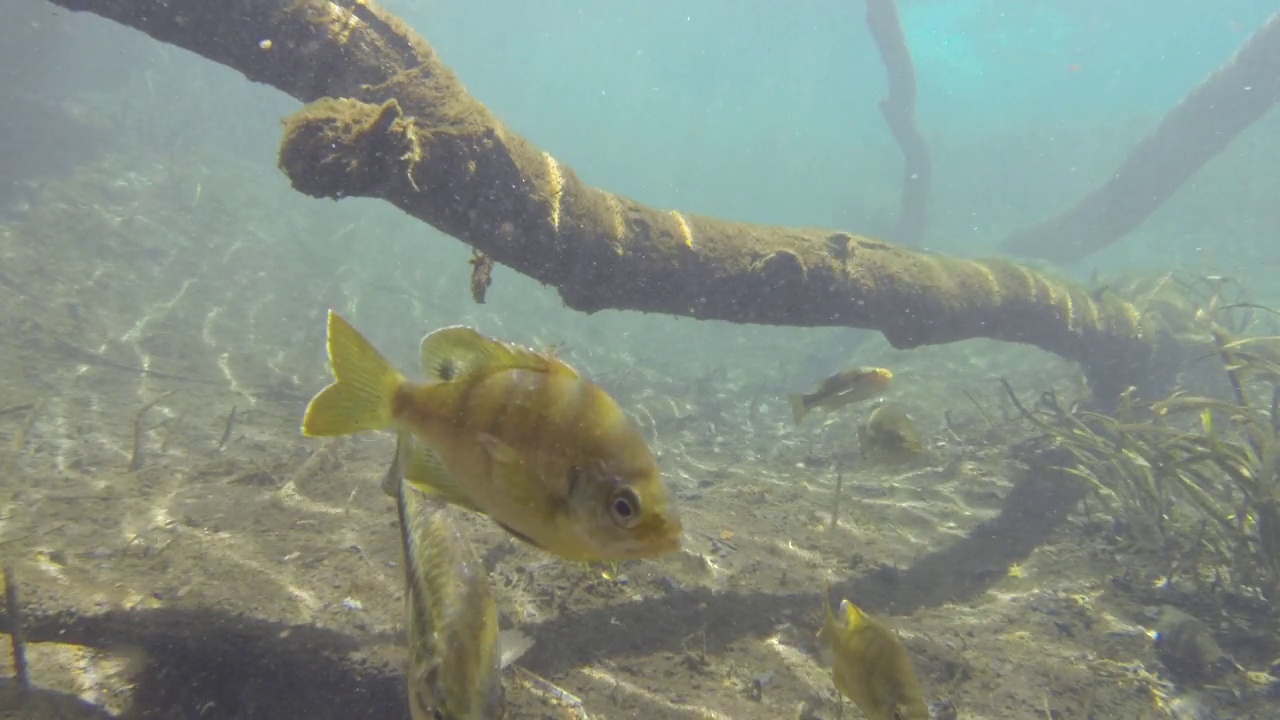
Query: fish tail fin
799	408
362	392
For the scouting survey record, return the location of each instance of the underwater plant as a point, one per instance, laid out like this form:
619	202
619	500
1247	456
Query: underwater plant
1192	461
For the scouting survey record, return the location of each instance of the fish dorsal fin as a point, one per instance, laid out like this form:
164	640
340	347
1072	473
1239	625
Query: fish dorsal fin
854	618
424	470
453	351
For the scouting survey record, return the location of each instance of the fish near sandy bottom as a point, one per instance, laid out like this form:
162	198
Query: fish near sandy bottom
845	387
511	433
456	654
889	438
872	667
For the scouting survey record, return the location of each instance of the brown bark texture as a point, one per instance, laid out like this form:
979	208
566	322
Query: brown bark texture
1196	129
386	118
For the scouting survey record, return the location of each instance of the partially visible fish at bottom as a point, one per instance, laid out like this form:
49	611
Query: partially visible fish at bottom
456	654
871	665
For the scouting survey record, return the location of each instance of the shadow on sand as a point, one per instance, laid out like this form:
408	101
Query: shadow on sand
214	665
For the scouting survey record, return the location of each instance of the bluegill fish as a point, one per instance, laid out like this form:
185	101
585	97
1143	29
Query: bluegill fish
872	667
889	438
511	433
848	386
456	653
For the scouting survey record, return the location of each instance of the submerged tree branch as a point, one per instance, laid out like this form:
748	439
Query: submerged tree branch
389	120
1195	130
899	111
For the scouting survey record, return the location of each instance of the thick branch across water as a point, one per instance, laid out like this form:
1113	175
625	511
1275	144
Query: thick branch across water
387	119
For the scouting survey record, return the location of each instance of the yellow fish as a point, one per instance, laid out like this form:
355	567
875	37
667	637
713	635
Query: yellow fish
872	667
456	654
848	386
511	433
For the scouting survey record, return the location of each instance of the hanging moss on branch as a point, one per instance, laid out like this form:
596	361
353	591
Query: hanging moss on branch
387	119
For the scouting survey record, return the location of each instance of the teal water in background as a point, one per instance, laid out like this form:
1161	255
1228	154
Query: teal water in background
768	113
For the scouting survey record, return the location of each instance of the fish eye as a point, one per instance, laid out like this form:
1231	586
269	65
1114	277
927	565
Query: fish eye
624	507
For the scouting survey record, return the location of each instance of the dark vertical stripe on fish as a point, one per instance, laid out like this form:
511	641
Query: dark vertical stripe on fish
583	409
610	414
551	399
466	414
530	402
403	406
537	405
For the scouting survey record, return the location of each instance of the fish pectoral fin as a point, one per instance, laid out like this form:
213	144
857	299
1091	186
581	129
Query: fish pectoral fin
519	535
502	454
361	394
424	470
450	352
510	473
512	644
